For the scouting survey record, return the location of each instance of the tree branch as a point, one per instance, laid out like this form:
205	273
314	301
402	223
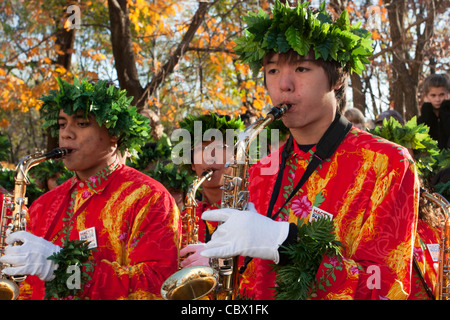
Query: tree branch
173	60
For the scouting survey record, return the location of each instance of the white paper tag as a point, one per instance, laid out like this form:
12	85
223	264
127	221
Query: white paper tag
317	213
433	249
90	236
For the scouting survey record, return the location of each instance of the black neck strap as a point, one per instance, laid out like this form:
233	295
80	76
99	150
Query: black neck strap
325	148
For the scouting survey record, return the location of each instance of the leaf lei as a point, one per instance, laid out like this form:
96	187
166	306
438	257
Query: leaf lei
109	105
297	279
412	136
173	177
300	29
73	253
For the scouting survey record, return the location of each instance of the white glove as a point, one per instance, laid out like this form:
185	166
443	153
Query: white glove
30	258
195	258
245	233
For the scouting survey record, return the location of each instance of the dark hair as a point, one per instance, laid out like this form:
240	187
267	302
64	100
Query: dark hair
336	74
391	113
436	81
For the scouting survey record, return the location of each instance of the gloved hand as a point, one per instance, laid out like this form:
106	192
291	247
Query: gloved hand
30	258
195	258
245	233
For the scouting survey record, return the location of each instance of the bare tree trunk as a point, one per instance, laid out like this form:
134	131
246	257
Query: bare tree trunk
359	98
396	10
122	44
122	47
65	39
183	46
406	70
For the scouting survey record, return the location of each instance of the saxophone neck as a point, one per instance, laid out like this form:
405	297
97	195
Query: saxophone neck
26	163
190	201
246	137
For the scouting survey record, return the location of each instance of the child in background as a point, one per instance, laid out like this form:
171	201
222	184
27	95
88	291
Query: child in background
435	111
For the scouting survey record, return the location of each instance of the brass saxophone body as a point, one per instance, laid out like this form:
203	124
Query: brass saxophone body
235	195
16	221
442	287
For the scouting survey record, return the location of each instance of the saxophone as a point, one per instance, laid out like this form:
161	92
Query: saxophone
16	221
195	282
442	287
235	195
219	282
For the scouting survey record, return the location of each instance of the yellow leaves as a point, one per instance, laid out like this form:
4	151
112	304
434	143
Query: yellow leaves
148	17
4	123
98	56
376	35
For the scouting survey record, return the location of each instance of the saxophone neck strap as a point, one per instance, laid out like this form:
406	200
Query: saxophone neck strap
325	148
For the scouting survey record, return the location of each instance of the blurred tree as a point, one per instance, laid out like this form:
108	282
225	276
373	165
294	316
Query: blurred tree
175	57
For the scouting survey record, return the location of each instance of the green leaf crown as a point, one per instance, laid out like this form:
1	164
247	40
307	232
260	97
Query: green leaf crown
300	29
211	121
109	105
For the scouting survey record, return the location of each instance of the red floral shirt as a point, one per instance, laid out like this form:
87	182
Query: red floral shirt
370	189
136	223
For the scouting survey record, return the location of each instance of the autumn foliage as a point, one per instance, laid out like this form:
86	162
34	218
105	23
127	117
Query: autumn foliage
175	57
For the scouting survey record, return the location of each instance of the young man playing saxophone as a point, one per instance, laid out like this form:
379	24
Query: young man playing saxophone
367	187
130	220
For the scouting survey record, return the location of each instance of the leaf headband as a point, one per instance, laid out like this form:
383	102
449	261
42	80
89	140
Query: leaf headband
210	121
109	105
301	30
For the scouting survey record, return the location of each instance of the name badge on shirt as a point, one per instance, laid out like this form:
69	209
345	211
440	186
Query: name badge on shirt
433	249
90	236
317	213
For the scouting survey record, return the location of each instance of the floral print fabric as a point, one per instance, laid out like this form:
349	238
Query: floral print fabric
136	222
370	189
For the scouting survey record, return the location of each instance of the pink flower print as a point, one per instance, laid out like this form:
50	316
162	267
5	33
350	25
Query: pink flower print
134	242
354	270
292	175
334	261
418	254
123	236
85	194
283	217
301	207
93	179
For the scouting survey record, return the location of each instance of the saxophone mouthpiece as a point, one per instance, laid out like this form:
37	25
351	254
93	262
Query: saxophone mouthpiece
58	153
208	173
279	111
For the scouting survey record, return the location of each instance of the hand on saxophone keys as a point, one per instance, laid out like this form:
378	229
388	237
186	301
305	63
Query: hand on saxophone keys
30	258
244	233
191	255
